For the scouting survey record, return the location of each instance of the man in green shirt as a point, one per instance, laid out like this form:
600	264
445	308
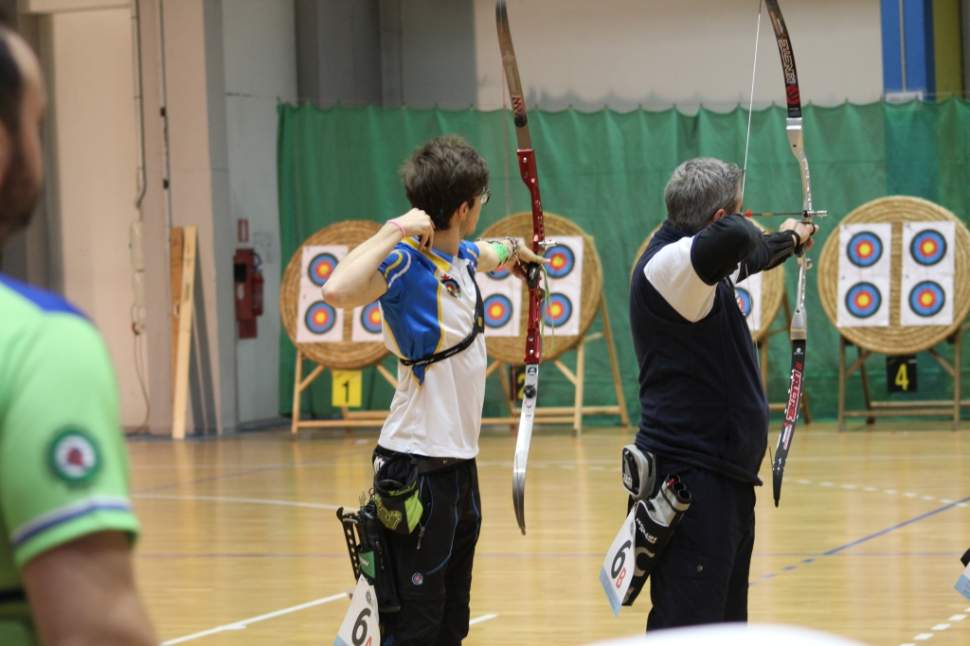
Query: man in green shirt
66	525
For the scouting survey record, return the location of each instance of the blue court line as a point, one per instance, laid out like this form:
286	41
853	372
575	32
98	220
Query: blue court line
841	548
883	532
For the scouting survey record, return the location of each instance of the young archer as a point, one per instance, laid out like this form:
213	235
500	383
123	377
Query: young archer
422	271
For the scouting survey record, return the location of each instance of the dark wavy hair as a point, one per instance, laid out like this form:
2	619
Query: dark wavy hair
442	174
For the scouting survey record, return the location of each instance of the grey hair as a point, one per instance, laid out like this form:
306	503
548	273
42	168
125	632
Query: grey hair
700	187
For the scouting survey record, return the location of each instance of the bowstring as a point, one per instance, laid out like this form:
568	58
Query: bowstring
754	72
747	139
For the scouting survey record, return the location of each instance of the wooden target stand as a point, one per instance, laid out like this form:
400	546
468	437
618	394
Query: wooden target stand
896	339
773	298
510	350
343	355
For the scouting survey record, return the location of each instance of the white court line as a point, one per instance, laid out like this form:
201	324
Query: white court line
891	492
240	625
244	501
938	628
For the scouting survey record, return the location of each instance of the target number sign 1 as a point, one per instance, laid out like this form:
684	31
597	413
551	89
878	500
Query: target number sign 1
347	387
901	374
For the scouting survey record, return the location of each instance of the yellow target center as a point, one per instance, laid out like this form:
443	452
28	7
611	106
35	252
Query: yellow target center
929	247
864	300
926	298
320	318
865	249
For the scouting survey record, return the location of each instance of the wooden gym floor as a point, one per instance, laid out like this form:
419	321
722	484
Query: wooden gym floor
240	544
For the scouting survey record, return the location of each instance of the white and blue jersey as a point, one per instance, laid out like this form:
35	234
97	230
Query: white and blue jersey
429	306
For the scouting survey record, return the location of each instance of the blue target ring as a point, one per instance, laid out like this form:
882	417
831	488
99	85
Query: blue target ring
744	300
321	267
864	249
562	261
557	310
320	317
863	300
927	298
499	274
370	318
498	310
928	247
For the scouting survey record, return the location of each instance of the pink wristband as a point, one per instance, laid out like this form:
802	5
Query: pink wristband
399	226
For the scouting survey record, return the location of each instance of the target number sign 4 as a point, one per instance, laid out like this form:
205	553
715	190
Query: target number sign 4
347	388
901	376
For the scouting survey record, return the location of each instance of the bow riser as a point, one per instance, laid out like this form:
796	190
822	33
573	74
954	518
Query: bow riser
796	142
533	340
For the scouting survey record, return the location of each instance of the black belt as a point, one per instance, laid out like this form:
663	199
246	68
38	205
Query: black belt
425	464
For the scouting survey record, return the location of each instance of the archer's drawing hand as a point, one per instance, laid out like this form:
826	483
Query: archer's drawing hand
417	224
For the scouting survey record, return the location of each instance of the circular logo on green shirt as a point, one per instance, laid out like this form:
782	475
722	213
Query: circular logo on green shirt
74	456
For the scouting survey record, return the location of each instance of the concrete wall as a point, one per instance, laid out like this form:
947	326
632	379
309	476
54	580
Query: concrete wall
624	53
260	70
620	53
93	116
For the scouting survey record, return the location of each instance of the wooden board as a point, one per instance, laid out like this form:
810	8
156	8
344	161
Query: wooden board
184	335
176	242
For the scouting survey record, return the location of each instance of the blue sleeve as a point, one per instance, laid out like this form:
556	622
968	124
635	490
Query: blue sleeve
469	251
395	270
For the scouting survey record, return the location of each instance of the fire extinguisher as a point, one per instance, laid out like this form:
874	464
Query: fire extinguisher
248	281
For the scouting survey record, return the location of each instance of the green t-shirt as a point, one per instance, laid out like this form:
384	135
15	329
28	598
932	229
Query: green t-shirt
63	461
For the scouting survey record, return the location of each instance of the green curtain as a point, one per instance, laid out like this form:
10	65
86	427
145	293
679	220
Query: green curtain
606	171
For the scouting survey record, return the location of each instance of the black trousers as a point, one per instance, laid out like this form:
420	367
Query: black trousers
702	576
433	564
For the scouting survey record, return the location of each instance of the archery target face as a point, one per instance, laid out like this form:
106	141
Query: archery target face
562	261
926	289
748	296
928	247
501	299
863	300
368	324
370	318
317	321
927	298
498	311
744	301
557	310
321	267
864	274
864	249
320	318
